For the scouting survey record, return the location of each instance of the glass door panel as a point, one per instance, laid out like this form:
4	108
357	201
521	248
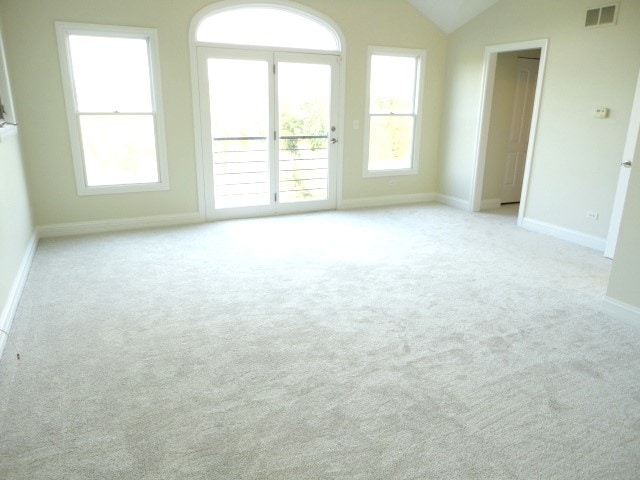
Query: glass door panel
239	112
268	142
304	120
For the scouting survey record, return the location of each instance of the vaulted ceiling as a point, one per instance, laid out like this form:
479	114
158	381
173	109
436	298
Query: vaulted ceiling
451	14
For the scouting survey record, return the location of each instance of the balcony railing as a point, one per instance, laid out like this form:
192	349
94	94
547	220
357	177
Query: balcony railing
241	169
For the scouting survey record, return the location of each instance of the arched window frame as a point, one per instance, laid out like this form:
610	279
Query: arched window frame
284	5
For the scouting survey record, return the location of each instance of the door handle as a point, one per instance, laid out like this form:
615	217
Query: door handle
334	140
626	164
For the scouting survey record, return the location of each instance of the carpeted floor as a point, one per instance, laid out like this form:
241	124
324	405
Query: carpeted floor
416	342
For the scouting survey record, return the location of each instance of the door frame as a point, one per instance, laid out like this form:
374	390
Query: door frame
482	136
630	146
272	57
195	86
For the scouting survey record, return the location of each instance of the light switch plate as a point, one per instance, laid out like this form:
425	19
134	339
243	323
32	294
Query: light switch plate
601	112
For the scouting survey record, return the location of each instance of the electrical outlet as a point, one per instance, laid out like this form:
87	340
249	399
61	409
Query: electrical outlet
592	215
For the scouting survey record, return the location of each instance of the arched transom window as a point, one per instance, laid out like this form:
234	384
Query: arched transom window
267	26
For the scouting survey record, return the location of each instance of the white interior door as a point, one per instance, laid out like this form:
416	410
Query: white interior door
269	131
630	151
519	132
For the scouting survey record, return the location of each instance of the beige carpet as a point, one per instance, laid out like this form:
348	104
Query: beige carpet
416	342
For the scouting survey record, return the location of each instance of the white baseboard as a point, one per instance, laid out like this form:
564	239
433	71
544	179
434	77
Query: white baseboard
386	200
490	204
590	241
9	308
453	201
100	226
620	310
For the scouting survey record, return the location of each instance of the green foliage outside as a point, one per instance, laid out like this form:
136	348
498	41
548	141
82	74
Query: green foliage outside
309	120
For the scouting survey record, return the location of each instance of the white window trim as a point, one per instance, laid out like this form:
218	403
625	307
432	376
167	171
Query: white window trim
63	30
8	122
421	56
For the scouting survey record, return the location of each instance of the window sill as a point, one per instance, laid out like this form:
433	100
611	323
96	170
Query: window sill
128	188
390	173
7	131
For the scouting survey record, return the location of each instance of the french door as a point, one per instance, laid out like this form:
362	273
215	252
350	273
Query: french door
269	131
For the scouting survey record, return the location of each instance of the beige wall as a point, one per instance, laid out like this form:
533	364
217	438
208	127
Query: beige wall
576	157
16	228
624	283
33	59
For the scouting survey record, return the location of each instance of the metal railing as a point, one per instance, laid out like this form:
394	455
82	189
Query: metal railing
303	172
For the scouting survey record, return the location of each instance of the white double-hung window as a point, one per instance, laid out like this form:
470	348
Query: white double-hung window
393	120
112	92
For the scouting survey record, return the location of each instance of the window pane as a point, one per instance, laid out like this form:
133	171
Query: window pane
393	82
119	149
304	103
268	27
239	103
390	142
111	74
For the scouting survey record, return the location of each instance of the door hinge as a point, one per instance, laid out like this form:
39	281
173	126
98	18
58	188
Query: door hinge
274	68
275	135
275	197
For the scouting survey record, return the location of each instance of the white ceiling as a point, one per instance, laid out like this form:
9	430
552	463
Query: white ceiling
451	14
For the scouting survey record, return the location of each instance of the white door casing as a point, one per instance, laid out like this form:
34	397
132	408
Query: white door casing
269	203
630	151
488	82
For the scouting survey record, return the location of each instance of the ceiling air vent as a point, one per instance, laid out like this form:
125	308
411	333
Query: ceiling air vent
602	16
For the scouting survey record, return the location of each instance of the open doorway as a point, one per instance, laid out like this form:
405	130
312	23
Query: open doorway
509	128
512	86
